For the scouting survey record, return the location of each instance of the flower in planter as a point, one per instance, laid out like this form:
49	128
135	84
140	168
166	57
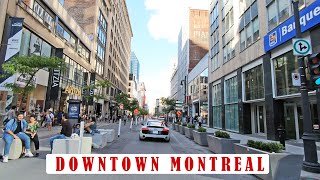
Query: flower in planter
201	129
271	147
221	134
191	126
184	124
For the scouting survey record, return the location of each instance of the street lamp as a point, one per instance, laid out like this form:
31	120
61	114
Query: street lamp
310	163
183	82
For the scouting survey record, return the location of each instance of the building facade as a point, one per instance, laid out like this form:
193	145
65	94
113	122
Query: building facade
44	28
252	64
192	46
108	25
198	90
133	87
142	95
135	66
174	85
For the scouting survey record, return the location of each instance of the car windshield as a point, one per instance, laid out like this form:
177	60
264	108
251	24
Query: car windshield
155	124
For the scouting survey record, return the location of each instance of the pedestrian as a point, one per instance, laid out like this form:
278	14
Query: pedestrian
199	121
32	130
59	117
125	118
66	130
16	129
49	119
91	125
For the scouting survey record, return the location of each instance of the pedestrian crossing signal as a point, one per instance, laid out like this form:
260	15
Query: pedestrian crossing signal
314	67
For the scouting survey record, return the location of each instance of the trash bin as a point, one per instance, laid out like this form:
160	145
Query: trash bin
282	135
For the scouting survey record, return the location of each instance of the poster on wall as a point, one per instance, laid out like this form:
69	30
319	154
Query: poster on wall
35	45
74	111
14	40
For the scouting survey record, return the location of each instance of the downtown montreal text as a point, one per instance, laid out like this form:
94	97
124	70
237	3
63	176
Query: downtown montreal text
157	164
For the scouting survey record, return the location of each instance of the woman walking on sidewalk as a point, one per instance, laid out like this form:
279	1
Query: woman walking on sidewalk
32	129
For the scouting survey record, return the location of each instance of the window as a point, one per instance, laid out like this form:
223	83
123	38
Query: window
228	30
284	66
272	15
229	51
59	30
61	2
48	21
46	49
66	36
25	43
100	52
35	45
249	26
39	11
217	106
253	82
99	67
280	10
231	104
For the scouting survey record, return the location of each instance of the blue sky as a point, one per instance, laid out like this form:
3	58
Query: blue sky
156	24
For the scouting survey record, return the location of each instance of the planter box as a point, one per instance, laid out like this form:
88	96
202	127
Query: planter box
173	126
200	137
221	145
188	132
282	165
177	127
181	129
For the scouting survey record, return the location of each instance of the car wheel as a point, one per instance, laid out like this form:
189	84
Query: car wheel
140	138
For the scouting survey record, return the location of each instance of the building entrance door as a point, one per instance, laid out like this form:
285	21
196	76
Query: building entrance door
258	118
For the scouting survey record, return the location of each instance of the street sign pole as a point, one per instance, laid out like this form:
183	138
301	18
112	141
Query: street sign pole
310	163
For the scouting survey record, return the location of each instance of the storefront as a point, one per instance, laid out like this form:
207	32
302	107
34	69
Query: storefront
286	103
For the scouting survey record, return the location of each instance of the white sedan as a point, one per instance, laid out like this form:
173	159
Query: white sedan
154	129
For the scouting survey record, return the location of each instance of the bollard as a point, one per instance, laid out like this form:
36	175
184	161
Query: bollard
282	135
136	121
119	127
81	136
131	124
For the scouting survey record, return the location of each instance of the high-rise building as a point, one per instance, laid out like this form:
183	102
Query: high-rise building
46	29
251	68
108	25
192	46
142	95
135	66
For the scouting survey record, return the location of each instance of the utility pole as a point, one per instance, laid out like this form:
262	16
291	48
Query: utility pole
310	163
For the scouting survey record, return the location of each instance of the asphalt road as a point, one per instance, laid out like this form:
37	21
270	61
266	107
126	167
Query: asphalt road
127	143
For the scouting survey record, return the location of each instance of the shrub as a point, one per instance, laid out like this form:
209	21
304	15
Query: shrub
176	122
222	134
192	126
201	129
269	147
184	124
179	123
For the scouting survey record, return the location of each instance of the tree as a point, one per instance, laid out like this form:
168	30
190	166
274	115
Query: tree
26	67
134	104
123	98
99	84
169	105
143	112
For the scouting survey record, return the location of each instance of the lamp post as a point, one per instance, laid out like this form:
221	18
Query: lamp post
183	83
310	163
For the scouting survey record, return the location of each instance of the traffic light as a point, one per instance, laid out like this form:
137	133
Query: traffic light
314	66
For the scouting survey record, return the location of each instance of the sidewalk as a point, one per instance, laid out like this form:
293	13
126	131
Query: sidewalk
44	133
292	146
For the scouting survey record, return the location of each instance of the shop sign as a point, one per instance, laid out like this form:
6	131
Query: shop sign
309	17
73	91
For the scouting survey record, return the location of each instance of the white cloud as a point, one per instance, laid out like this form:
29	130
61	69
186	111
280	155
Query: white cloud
167	16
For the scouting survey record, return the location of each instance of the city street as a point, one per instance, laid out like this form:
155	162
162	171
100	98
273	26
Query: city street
128	142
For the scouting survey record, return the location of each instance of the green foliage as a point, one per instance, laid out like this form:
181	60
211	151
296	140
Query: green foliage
202	130
169	104
176	122
134	104
179	123
192	126
184	124
143	111
99	84
269	147
123	98
222	134
26	68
